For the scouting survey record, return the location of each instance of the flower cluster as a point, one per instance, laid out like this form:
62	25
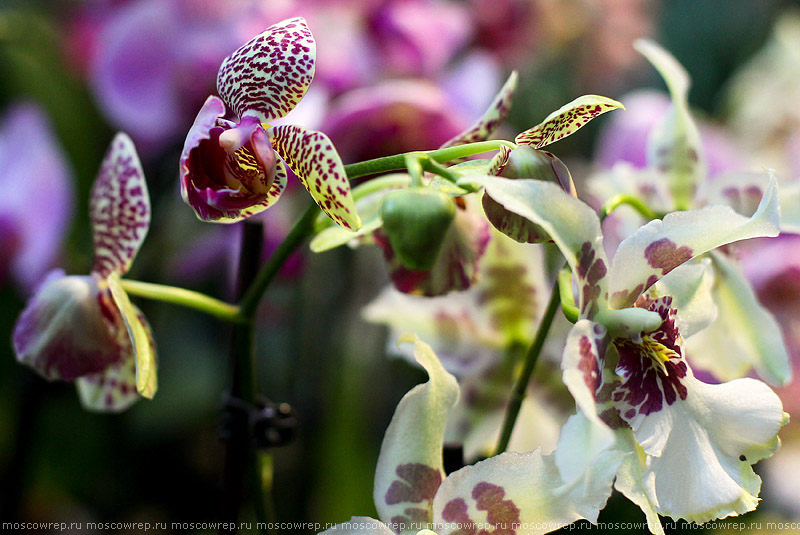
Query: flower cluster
471	246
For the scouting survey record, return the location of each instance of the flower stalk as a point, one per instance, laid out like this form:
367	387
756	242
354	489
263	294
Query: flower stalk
521	384
186	298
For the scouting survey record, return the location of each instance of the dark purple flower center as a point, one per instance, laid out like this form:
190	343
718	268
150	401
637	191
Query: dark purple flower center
651	368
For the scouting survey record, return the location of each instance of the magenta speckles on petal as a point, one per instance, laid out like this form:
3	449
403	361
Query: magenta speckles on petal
567	120
313	158
653	369
269	75
419	483
663	254
119	208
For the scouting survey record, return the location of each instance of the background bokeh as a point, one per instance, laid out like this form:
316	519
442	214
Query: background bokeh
392	76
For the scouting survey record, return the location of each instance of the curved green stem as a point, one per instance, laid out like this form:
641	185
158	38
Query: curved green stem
398	161
302	229
634	202
186	298
521	386
568	306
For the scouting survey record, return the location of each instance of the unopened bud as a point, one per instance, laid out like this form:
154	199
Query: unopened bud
416	221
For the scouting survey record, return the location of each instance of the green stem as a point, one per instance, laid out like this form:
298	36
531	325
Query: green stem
568	306
398	161
521	386
302	229
183	297
634	202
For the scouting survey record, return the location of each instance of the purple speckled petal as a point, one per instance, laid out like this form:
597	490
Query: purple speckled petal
313	158
410	468
67	329
499	161
567	120
112	390
268	75
662	245
119	208
493	117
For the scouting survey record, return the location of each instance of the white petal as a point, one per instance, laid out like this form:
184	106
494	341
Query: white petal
662	245
745	336
700	450
410	466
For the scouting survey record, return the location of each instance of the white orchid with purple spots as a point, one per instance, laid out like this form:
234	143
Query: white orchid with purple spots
514	493
229	169
84	328
688	446
677	177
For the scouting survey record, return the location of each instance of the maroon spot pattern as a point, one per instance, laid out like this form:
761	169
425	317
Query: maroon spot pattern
645	386
562	125
590	271
502	514
418	483
499	161
316	163
589	365
493	117
270	73
663	254
119	208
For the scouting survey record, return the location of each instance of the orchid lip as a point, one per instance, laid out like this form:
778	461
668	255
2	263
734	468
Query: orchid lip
238	136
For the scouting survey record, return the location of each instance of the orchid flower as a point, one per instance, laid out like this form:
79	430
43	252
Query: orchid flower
84	328
689	446
522	493
229	169
677	177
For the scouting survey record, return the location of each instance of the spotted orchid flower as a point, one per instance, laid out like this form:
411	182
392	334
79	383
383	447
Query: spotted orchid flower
689	446
676	176
515	493
229	169
83	328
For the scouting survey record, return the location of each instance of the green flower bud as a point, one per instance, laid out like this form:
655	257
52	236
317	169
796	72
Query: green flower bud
416	221
527	162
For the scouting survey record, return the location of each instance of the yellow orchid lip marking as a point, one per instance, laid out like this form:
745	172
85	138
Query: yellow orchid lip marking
660	353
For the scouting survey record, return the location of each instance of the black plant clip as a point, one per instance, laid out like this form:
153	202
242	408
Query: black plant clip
267	424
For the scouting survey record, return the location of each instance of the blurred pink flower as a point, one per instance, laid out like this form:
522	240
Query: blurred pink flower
151	63
33	173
